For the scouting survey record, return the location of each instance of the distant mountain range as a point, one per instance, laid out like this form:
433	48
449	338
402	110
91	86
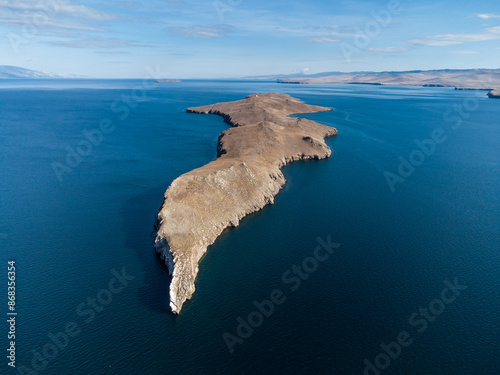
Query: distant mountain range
7	71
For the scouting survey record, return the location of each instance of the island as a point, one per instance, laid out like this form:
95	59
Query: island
243	178
167	80
433	85
292	82
494	94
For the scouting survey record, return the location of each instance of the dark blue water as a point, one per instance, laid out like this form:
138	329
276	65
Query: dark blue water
68	232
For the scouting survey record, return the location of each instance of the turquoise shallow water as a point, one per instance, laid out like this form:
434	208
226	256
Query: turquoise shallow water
396	248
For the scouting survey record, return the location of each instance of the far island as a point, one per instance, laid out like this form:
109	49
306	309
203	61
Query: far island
167	80
245	177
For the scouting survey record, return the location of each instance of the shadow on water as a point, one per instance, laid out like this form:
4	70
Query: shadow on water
138	215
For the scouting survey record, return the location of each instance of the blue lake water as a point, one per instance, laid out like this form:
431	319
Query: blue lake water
68	230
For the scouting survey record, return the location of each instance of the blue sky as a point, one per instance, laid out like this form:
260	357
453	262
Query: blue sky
235	38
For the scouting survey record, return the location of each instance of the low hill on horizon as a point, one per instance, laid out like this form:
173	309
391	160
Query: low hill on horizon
462	78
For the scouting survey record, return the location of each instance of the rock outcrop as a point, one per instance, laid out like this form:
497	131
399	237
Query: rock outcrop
494	94
245	177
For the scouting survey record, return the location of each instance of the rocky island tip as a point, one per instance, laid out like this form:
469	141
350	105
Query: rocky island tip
494	94
245	177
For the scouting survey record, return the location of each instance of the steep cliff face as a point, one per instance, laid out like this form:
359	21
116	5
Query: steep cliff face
245	177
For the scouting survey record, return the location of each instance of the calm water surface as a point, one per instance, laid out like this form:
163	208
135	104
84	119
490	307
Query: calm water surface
68	233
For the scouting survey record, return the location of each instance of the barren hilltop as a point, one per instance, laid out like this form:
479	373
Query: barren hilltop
245	177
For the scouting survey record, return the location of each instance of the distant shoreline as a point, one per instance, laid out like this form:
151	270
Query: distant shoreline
470	79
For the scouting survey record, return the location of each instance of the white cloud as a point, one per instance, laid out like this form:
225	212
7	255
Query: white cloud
487	16
96	42
464	52
388	49
491	33
207	32
434	42
50	26
51	18
55	8
323	39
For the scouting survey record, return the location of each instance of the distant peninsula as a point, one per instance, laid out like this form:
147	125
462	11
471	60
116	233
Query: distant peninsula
167	80
463	78
245	177
473	88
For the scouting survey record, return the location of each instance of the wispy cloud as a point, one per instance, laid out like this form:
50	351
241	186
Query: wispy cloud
122	4
323	39
331	27
464	52
96	42
50	26
52	17
491	33
487	16
61	7
207	32
388	49
68	24
112	52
